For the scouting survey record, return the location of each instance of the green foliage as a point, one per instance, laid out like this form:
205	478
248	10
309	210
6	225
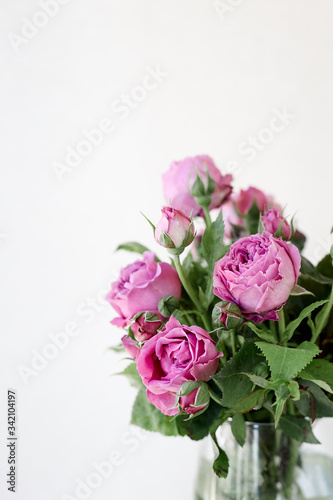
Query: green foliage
132	246
167	305
198	428
213	249
133	376
309	270
286	362
313	402
238	428
319	371
263	332
235	385
297	428
289	331
252	219
145	415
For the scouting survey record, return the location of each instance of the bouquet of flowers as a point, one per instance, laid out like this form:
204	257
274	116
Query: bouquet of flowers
238	328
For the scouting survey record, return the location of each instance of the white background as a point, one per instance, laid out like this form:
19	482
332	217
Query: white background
227	72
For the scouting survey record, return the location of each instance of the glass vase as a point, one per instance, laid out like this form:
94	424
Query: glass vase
268	467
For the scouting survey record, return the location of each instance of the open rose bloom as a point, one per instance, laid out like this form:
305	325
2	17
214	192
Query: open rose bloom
232	322
258	275
176	355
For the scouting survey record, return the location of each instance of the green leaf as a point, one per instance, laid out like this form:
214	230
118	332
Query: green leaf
202	397
145	415
203	298
325	265
221	463
262	382
261	227
286	362
309	270
151	224
188	387
320	371
252	219
133	376
117	348
299	290
197	428
289	331
294	390
298	428
167	305
253	401
133	246
323	317
262	332
212	242
238	428
314	403
231	379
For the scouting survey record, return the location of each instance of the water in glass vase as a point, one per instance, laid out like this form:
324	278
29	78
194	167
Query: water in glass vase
265	468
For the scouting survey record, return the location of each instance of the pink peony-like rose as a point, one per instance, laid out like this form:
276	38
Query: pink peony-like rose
140	287
130	346
177	354
181	176
171	230
257	274
272	220
239	204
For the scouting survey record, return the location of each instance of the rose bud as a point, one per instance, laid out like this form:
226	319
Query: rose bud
257	274
188	403
140	287
272	221
130	346
174	230
146	325
228	313
178	182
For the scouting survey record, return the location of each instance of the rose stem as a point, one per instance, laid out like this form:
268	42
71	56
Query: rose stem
293	456
322	321
208	220
188	287
282	324
233	341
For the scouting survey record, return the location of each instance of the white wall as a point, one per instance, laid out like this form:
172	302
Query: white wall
226	73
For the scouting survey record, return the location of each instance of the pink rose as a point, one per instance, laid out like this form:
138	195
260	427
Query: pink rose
272	220
144	329
181	176
177	354
257	274
235	209
245	199
172	229
130	346
140	287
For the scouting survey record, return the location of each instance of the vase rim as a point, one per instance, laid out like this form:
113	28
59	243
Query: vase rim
255	424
